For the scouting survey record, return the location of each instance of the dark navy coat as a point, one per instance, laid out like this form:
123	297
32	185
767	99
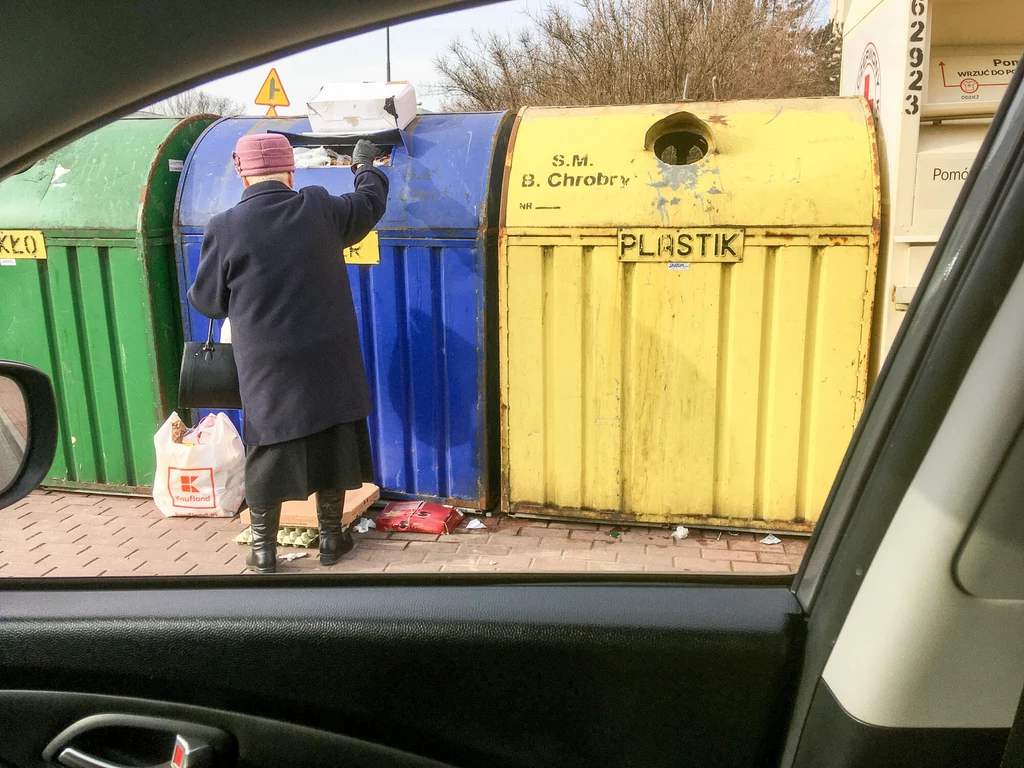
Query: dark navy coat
274	265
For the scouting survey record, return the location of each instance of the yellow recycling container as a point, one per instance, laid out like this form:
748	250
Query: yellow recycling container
685	305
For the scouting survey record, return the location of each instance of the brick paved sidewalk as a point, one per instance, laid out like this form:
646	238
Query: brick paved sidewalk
52	533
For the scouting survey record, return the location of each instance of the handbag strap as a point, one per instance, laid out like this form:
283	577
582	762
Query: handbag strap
209	337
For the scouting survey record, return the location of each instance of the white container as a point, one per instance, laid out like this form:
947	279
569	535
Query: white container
933	72
361	108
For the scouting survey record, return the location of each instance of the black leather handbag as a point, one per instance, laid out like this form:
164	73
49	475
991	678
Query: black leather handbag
208	378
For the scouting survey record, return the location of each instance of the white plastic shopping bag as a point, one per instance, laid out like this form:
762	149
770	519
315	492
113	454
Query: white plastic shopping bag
204	475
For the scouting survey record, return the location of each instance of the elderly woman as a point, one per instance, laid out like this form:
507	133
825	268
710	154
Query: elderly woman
274	264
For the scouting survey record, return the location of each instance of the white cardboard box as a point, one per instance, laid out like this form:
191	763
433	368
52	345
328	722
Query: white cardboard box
360	108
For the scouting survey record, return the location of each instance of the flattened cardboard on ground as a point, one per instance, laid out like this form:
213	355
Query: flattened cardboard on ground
302	514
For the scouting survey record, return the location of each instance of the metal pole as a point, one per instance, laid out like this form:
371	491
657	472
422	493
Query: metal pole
387	31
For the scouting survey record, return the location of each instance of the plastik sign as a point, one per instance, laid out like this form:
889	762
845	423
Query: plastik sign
718	245
191	488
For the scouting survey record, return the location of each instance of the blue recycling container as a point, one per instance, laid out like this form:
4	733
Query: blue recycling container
425	292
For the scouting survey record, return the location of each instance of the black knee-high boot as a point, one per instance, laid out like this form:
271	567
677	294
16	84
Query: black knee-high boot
265	522
335	541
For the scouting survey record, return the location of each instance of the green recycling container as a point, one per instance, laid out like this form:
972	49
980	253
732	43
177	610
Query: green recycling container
89	293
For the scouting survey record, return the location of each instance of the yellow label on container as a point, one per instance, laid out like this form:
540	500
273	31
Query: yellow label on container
700	244
22	244
366	251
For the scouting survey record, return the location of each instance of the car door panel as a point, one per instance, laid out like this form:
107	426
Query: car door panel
260	742
837	739
513	675
974	266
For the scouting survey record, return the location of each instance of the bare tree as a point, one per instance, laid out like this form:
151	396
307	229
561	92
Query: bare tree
641	51
198	102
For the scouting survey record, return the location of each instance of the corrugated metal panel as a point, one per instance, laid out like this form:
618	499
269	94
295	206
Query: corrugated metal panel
724	393
423	344
100	314
672	391
427	311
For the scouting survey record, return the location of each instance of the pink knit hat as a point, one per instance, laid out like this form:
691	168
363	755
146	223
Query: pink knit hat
262	154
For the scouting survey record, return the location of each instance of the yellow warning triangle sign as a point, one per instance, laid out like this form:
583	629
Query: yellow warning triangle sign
272	92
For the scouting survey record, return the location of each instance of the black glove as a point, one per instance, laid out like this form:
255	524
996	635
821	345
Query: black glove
364	153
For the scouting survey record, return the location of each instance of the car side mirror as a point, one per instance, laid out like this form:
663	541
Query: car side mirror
28	429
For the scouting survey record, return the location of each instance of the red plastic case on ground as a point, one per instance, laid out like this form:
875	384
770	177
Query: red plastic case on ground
418	517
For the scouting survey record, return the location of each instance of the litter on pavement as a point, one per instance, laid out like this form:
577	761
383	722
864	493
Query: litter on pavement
419	517
364	525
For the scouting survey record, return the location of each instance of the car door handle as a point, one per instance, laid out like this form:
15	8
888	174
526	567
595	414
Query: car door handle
110	741
186	754
72	758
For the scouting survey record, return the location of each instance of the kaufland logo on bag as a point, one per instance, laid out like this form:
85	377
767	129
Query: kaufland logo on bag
191	488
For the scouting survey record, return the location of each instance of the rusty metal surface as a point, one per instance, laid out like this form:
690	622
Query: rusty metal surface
541	512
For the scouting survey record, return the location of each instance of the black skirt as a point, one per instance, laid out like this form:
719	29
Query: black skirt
338	458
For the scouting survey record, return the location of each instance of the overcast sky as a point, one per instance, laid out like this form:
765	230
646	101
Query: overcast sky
413	48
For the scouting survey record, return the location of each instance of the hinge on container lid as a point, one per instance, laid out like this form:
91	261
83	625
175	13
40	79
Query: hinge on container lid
902	295
346	142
